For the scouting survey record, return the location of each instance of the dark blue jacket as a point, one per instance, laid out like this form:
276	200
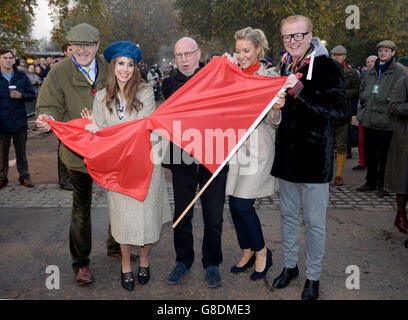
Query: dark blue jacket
13	116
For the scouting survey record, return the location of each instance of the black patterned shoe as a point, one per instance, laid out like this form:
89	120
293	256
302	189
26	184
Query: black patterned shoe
143	275
127	280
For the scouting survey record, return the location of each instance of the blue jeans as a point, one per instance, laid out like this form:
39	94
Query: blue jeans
247	224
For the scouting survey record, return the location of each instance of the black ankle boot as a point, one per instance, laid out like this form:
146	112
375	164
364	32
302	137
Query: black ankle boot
311	290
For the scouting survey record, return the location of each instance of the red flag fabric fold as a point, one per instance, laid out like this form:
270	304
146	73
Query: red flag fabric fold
205	117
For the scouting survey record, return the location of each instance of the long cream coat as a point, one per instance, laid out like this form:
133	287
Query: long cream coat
249	174
134	222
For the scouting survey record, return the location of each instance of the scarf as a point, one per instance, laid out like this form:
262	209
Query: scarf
292	66
382	68
252	69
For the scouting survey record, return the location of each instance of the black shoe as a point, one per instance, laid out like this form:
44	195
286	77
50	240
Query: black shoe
67	186
311	290
2	184
358	167
127	280
143	275
249	264
366	187
284	278
259	275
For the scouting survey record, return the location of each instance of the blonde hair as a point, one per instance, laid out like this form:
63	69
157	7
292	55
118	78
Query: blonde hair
256	36
295	18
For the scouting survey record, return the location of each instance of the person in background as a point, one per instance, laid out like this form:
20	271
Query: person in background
396	171
15	90
403	61
67	49
373	113
126	98
370	61
69	87
342	127
64	179
44	68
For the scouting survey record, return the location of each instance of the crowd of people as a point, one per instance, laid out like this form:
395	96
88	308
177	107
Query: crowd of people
309	128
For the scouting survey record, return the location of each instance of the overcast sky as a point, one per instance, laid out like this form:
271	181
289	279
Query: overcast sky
42	25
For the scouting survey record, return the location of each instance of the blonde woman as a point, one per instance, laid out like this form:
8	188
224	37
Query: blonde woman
252	180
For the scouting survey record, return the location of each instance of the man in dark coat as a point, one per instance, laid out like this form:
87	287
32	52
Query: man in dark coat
378	125
396	172
304	148
342	127
187	175
15	90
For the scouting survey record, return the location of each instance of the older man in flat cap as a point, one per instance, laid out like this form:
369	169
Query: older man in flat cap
342	127
69	87
378	126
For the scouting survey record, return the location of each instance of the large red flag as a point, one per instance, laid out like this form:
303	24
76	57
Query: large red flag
206	117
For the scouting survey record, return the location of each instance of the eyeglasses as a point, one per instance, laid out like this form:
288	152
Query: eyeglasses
187	54
297	36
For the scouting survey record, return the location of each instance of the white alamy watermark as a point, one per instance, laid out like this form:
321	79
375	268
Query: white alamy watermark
211	147
353	280
53	280
353	20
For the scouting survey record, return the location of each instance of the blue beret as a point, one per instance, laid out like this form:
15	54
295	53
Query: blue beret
123	49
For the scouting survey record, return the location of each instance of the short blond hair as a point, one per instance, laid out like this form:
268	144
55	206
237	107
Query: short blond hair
256	36
295	18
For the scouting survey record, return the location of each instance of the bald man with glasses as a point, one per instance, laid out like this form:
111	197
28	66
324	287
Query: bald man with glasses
187	176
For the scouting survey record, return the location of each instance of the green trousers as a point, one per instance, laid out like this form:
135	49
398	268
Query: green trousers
80	231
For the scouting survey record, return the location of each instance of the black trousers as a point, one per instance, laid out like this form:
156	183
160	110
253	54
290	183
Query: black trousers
376	145
80	231
20	142
212	201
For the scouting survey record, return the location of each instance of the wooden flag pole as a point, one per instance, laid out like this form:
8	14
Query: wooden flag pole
194	200
245	136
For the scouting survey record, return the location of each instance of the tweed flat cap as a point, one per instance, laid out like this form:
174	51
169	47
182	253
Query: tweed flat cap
403	60
386	44
339	50
83	33
123	49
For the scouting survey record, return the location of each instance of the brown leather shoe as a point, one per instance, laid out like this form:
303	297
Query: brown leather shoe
2	184
84	276
118	254
401	222
338	181
26	182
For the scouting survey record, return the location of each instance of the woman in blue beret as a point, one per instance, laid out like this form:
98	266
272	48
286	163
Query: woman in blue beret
128	97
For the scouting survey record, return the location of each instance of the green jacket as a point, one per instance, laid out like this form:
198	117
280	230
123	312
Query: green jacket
64	93
374	110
